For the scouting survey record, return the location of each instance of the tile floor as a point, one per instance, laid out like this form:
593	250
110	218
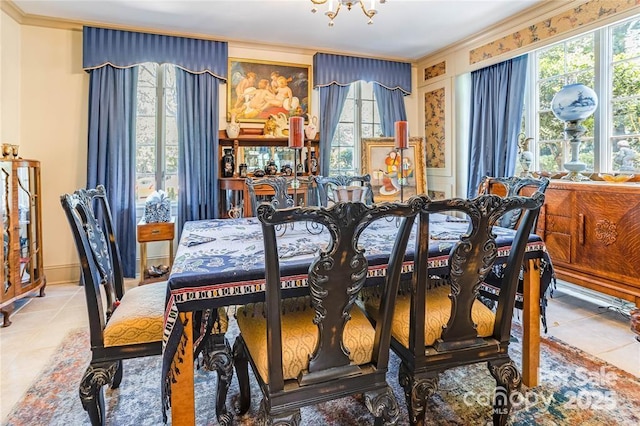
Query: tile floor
39	325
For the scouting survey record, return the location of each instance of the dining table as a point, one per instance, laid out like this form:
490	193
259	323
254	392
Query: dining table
220	263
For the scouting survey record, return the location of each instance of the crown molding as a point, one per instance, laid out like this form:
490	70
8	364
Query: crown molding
10	8
546	9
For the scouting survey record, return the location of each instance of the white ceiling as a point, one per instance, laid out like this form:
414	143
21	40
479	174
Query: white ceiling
402	29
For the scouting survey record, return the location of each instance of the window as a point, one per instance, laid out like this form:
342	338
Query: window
156	132
359	119
607	60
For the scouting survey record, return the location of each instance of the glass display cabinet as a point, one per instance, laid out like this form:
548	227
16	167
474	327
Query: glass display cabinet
22	269
256	155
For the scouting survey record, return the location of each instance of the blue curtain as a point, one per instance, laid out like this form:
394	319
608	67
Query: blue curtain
343	70
123	49
111	56
497	95
331	103
197	97
111	151
391	108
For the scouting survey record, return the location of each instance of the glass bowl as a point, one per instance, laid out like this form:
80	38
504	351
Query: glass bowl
608	177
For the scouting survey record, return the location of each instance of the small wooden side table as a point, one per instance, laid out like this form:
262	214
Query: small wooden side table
154	232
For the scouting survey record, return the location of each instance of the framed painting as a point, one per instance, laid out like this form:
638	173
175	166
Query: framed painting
258	89
395	176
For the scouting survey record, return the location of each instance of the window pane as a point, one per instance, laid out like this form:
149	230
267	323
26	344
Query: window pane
366	90
367	112
359	118
146	159
626	78
147	99
342	160
145	185
626	117
571	61
626	40
348	111
156	153
344	134
367	130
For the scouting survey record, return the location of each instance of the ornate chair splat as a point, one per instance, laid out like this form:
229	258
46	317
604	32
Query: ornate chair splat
321	347
435	328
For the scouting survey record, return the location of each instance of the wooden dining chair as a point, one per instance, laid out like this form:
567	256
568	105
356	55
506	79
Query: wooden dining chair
507	187
510	186
320	346
123	325
331	189
435	328
278	192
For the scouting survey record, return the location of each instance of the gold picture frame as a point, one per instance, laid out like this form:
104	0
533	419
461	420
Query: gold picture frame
258	89
380	160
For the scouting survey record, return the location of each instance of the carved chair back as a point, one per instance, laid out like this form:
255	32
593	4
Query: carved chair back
448	326
331	189
510	186
89	214
331	369
278	191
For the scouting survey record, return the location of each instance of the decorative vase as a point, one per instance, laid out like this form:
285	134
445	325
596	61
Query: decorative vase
312	128
525	157
228	163
574	102
271	169
233	128
313	164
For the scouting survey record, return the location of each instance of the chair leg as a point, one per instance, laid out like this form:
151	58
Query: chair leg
91	395
218	358
417	391
508	379
383	405
117	378
242	372
287	418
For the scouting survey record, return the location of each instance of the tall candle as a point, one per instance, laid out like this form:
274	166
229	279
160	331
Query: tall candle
296	132
402	134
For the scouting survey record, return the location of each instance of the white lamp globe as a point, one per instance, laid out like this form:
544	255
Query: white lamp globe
574	102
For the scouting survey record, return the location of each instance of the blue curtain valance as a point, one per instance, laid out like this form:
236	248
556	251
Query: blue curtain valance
123	49
344	70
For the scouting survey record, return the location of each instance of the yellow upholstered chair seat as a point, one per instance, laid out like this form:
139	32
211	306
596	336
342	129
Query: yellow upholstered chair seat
140	317
437	313
300	336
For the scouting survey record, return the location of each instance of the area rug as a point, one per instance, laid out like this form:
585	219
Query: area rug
575	388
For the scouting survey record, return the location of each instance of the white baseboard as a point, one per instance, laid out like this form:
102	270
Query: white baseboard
65	274
595	297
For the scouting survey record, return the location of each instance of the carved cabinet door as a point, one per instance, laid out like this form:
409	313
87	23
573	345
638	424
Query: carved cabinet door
607	234
554	224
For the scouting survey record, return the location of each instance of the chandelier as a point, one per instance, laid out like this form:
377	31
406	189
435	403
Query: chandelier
331	14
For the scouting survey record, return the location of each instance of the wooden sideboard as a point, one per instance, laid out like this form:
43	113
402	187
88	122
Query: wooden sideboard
592	232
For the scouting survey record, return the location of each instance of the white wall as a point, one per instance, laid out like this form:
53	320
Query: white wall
47	103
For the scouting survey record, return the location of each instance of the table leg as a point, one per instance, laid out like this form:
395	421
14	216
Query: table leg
143	260
183	411
531	324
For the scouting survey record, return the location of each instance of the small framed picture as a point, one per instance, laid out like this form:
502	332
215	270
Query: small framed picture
395	175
